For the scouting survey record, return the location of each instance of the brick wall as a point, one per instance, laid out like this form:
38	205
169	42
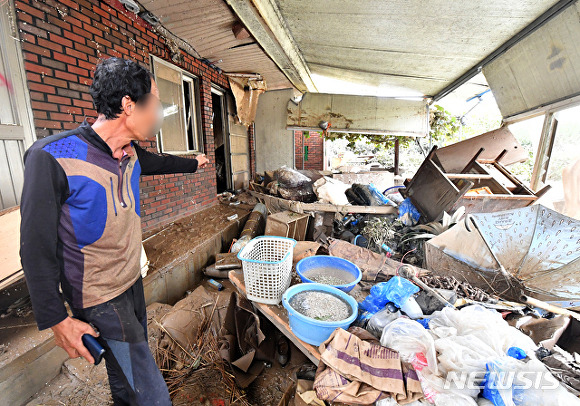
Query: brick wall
315	144
63	40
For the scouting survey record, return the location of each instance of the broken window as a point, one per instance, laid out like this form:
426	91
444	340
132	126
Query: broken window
178	91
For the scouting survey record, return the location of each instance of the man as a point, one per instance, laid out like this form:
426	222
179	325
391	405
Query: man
81	231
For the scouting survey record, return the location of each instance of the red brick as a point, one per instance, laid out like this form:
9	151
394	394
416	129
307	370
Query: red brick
19	5
58	99
65	58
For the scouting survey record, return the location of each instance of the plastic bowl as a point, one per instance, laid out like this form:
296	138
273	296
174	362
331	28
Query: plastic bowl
310	330
317	261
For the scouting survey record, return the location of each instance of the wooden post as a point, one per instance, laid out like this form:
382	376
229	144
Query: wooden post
544	152
396	156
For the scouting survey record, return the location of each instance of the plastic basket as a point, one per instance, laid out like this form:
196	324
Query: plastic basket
267	266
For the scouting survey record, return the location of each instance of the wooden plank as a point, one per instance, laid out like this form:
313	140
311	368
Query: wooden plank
468	176
279	317
10	243
276	204
454	158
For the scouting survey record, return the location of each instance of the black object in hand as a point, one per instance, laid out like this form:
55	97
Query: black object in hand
94	347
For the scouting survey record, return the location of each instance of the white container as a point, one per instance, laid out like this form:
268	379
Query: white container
412	308
267	267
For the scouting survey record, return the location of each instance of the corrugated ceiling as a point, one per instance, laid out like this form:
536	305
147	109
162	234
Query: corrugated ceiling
207	26
406	46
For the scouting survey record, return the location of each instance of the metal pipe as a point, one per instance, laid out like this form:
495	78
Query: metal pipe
551	308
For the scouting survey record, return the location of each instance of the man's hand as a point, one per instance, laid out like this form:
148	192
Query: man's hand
68	335
201	161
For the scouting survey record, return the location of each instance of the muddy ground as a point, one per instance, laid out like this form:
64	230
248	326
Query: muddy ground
83	384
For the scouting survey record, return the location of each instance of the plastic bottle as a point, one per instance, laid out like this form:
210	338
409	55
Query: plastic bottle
412	308
381	197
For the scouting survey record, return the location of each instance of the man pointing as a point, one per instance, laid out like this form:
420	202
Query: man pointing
81	229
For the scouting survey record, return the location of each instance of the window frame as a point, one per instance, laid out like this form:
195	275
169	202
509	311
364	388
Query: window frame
195	105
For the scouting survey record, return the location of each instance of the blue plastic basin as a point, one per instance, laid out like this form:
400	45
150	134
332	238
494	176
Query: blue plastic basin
324	261
310	330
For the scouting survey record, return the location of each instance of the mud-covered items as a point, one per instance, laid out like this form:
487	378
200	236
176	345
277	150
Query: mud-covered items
242	343
322	226
363	195
374	267
254	226
544	332
227	260
292	185
430	304
287	224
378	321
211	272
355	369
381	232
304	249
184	320
565	367
303	193
289	177
224	262
193	365
460	288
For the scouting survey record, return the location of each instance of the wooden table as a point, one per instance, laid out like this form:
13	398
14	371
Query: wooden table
278	316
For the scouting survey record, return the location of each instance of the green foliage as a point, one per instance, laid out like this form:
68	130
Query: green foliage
443	125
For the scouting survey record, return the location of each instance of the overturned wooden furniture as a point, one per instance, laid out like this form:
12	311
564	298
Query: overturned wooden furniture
502	190
481	186
432	191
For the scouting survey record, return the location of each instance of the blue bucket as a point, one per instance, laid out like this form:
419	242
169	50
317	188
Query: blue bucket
323	261
314	331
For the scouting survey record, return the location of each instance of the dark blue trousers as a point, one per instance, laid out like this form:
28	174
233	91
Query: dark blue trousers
134	377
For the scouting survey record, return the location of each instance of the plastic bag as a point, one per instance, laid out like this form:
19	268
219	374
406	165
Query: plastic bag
414	344
408	214
436	391
379	320
485	324
393	402
511	382
379	196
396	290
331	191
290	178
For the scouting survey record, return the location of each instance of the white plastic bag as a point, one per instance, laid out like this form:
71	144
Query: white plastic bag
331	191
413	342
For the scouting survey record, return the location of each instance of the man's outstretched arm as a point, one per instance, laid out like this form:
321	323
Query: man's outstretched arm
154	164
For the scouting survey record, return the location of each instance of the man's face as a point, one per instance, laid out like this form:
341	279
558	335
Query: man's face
145	118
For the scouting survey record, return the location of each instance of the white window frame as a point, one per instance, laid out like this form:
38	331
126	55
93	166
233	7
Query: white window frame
196	106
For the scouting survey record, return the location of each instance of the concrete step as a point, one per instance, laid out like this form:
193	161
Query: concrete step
28	359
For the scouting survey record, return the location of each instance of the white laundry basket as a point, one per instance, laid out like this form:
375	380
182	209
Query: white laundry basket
267	266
